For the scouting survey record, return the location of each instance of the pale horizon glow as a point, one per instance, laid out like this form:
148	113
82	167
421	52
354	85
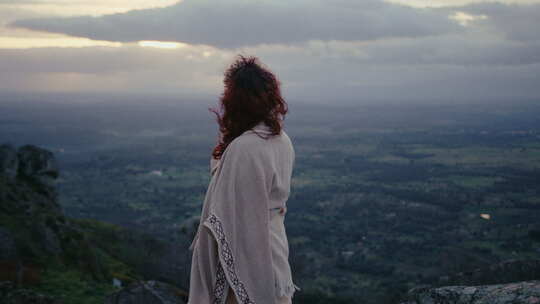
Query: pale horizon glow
16	38
85	7
161	44
450	3
60	42
465	19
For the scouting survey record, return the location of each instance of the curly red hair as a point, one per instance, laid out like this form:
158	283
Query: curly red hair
252	95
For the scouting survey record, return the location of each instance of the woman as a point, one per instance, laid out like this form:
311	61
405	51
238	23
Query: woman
240	251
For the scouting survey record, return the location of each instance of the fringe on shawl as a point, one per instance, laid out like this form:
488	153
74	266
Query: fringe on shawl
286	288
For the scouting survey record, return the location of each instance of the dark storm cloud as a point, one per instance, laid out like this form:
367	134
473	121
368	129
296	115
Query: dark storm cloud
237	23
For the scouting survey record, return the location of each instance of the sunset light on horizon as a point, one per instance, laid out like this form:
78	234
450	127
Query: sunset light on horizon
161	44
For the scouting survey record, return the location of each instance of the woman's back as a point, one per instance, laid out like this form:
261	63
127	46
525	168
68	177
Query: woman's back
280	153
241	244
244	212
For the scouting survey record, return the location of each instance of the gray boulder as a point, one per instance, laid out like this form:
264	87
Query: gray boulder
147	292
527	292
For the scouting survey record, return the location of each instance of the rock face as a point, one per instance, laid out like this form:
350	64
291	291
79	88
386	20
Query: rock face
26	205
37	163
29	162
26	180
147	292
28	200
500	273
32	224
527	292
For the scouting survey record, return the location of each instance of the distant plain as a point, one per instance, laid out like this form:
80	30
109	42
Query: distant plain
384	195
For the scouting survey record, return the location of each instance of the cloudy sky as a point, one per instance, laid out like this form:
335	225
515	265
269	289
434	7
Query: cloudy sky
333	50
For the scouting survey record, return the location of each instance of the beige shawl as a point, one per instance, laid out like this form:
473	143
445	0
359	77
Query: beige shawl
233	245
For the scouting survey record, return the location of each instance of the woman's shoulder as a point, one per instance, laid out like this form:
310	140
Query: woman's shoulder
247	142
258	139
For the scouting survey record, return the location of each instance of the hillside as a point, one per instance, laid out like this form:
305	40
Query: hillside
66	260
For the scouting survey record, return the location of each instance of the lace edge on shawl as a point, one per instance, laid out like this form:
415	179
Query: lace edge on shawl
226	266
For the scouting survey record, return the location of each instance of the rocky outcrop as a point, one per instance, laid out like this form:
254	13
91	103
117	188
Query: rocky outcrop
32	164
33	227
27	181
147	292
24	202
37	163
500	273
527	292
512	281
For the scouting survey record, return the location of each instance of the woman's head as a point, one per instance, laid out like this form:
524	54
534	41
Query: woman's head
252	94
